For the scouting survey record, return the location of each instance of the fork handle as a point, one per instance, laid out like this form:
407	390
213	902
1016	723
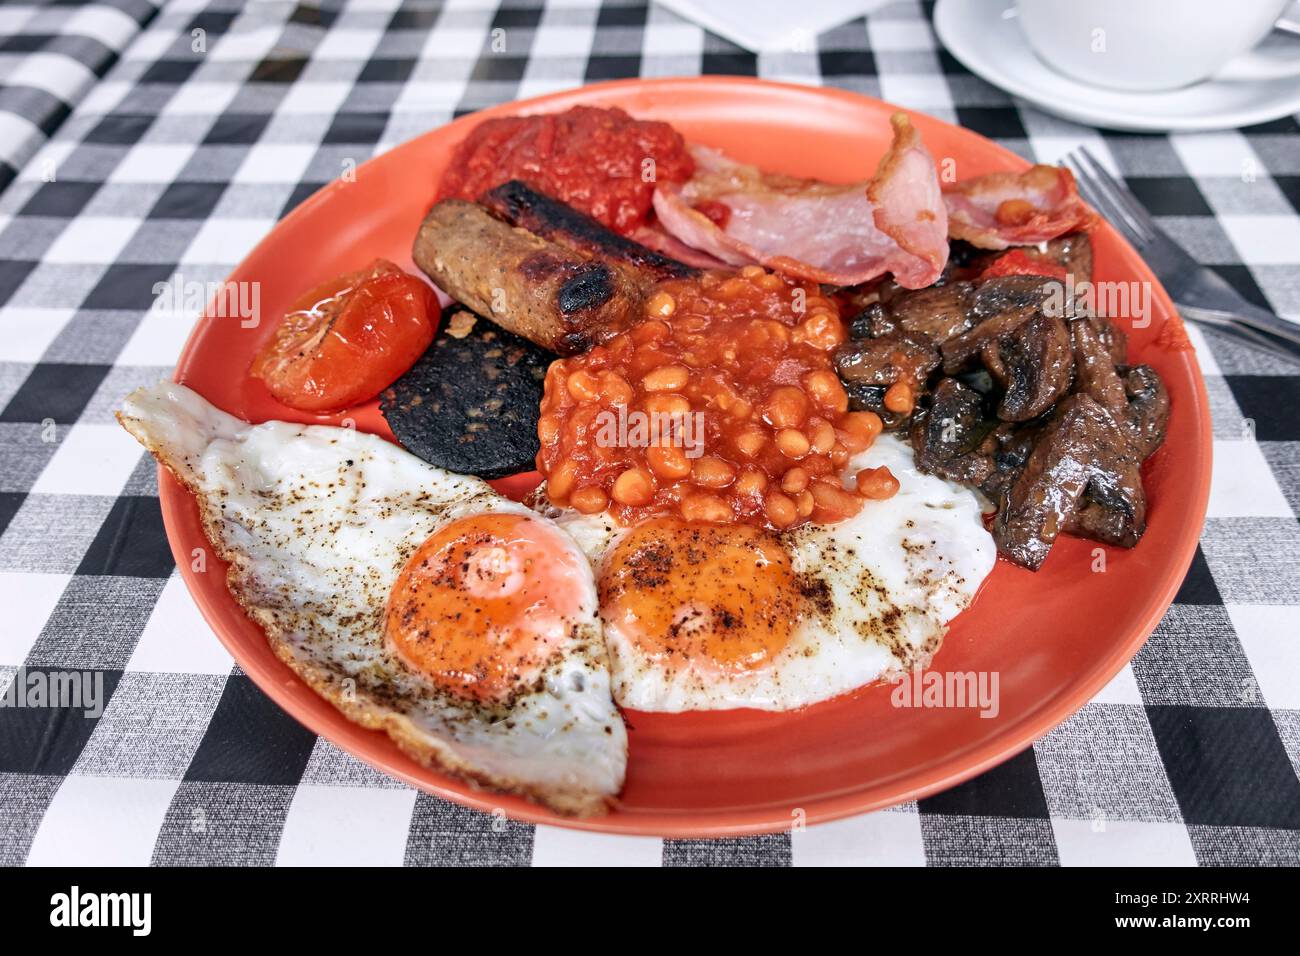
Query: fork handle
1248	315
1229	324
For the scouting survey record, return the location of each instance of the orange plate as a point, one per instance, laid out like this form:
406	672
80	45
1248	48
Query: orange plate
1055	637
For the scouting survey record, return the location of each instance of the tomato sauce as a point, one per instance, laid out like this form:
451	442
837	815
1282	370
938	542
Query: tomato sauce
600	161
721	405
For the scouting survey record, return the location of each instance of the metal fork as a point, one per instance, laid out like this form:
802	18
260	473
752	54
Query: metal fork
1200	294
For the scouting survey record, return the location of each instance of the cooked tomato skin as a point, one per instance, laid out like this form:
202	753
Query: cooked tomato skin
345	341
1018	262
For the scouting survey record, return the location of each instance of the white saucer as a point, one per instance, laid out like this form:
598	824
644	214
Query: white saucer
985	36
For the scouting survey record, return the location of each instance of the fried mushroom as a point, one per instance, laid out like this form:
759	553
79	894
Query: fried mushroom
887	374
948	437
1035	366
1084	457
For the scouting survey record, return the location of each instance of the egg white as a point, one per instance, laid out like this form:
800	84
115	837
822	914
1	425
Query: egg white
316	523
888	579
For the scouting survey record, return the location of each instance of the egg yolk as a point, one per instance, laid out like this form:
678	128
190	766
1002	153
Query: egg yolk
484	603
719	597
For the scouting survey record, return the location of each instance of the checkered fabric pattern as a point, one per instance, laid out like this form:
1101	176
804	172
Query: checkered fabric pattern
216	120
51	55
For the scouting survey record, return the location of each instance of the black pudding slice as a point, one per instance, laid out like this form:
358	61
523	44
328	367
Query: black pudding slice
470	403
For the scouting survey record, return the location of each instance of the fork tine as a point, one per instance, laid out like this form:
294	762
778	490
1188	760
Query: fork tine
1136	210
1100	197
1121	190
1201	296
1104	198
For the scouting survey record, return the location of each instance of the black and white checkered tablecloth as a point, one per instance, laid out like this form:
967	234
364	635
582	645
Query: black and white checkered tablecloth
219	117
51	56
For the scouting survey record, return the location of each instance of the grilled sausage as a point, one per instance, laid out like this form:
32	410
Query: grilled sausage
520	205
538	289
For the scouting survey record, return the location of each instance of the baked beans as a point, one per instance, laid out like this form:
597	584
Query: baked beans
751	423
900	398
878	483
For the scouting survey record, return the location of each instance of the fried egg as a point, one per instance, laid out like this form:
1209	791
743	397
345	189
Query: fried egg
416	601
712	616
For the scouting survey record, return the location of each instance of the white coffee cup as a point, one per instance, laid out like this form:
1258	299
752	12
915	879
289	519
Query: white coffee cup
1149	45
